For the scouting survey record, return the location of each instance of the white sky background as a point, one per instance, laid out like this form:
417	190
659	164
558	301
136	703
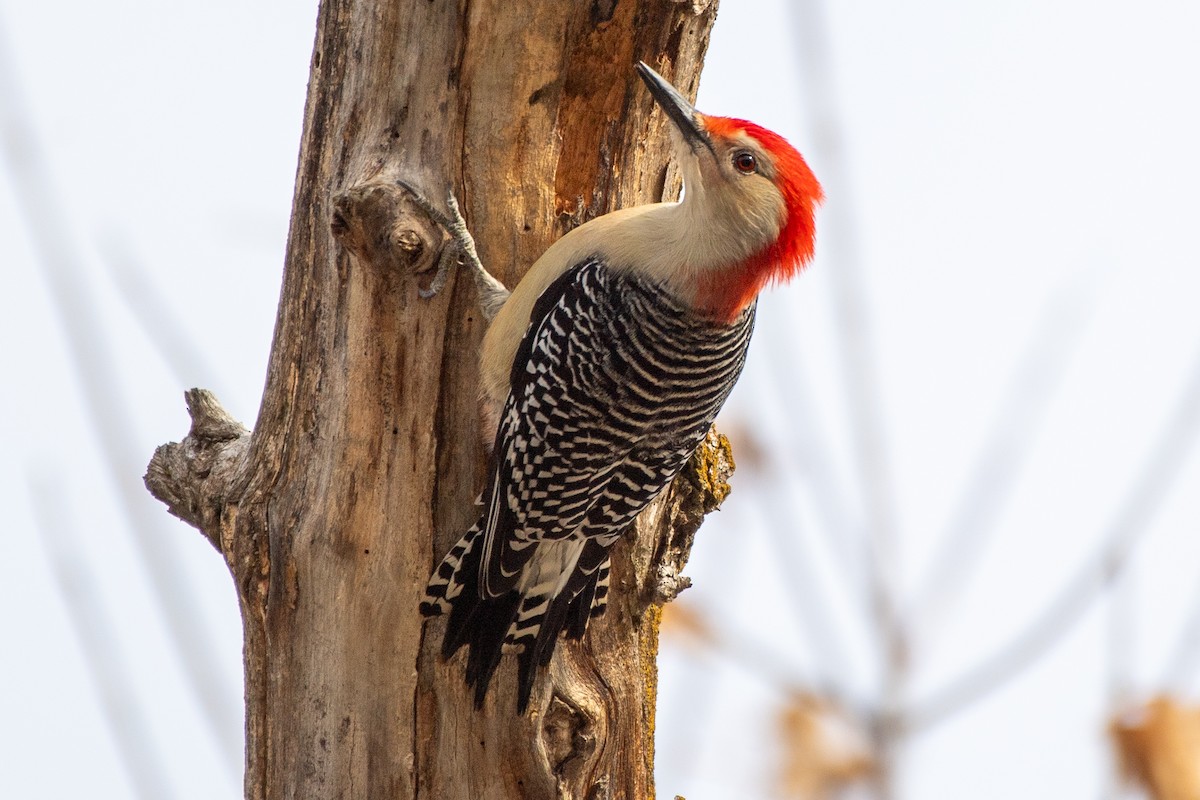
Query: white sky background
1002	160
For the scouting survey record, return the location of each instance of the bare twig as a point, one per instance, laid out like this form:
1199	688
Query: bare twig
101	649
111	422
1147	491
1000	461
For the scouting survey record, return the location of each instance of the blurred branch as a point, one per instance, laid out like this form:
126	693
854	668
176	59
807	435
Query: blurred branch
822	736
860	372
1184	663
684	620
1000	461
779	516
100	645
1147	491
152	310
1121	637
801	441
840	237
109	414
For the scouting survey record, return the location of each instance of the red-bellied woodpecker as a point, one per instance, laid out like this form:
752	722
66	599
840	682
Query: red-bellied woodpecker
602	373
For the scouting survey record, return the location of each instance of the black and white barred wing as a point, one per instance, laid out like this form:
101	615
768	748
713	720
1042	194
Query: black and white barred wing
612	389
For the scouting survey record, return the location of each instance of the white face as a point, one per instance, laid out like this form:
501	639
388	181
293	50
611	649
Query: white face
730	191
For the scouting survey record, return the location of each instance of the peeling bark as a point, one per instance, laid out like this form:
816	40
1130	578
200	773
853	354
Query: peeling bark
365	460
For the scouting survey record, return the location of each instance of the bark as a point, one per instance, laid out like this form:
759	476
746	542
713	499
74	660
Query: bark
366	457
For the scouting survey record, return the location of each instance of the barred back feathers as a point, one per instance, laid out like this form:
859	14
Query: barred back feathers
602	373
613	387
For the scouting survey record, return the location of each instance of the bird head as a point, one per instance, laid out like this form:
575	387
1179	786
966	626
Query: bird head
750	200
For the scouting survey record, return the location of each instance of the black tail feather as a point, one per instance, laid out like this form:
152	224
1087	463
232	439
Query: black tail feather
465	607
525	672
580	610
480	623
485	625
486	636
537	653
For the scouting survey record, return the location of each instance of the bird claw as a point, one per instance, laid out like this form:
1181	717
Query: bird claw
446	260
492	293
432	211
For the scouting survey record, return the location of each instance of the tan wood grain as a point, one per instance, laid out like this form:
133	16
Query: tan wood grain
366	457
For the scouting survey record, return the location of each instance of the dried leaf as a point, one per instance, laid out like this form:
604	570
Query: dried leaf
682	620
1158	745
825	748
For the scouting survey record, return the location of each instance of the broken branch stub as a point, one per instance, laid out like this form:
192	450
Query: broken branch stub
193	477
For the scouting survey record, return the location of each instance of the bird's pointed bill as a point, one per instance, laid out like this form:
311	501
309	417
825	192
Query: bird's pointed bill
676	106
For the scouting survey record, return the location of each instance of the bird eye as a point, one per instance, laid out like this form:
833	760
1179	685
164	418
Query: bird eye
745	163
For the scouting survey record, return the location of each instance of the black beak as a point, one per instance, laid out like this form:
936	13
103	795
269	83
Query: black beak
677	108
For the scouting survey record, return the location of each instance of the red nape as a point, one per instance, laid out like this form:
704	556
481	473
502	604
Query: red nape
726	292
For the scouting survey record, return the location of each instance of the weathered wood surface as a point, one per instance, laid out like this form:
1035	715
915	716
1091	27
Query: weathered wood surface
366	458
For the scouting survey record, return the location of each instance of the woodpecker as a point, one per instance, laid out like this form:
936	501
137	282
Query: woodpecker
603	371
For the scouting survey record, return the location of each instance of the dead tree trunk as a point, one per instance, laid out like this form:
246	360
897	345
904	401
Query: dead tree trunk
365	461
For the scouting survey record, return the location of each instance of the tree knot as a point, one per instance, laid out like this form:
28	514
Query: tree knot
381	225
567	736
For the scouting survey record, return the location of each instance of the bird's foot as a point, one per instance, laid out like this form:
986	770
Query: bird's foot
492	292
